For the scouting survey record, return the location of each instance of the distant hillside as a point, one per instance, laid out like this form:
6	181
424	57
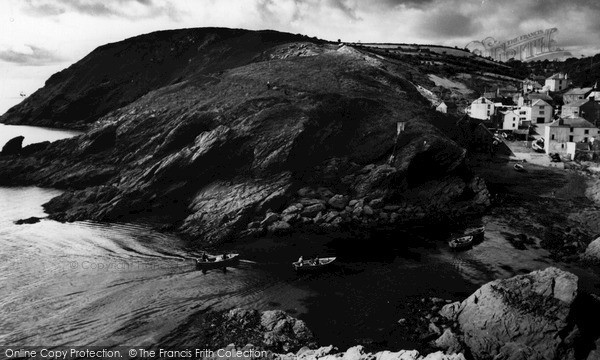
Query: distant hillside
117	74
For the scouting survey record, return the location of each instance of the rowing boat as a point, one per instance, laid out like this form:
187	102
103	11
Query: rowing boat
519	167
217	261
312	265
462	242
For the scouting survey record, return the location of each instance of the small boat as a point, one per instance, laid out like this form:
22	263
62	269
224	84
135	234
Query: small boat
462	242
312	265
217	261
474	231
519	167
537	146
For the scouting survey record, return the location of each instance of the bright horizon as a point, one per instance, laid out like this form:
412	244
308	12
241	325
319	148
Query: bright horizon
40	37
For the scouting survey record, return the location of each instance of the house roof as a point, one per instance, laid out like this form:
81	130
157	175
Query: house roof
579	91
572	121
543	96
558	76
539	102
532	82
576	104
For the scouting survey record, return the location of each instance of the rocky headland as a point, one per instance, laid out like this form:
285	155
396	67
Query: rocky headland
232	132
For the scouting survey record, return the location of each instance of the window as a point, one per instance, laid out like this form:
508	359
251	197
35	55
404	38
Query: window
514	125
562	146
586	132
552	137
570	138
585	139
542	112
571	129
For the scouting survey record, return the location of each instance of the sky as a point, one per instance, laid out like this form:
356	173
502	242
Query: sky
41	37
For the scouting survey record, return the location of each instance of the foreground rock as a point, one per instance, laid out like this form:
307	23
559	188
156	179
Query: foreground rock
525	317
592	253
268	330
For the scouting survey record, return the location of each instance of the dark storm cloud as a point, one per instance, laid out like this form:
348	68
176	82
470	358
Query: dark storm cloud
117	8
29	55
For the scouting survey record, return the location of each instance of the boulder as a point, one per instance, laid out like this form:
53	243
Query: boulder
30	220
269	219
283	331
13	146
307	192
339	201
449	342
280	227
592	252
532	312
312	210
376	203
324	193
294	208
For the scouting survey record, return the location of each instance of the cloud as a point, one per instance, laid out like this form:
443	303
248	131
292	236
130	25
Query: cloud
28	55
131	9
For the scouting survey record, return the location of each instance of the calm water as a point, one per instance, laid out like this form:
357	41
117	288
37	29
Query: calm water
86	283
106	284
33	134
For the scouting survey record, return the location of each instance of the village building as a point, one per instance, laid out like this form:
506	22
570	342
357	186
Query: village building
446	107
529	85
481	108
586	108
528	99
576	94
540	112
594	94
510	120
561	135
557	82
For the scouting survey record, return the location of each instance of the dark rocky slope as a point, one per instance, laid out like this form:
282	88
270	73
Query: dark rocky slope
210	154
119	73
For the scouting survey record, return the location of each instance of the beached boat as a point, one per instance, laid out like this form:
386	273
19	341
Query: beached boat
312	265
217	261
462	242
519	167
538	146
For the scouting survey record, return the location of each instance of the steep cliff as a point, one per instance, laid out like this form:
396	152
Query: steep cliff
213	151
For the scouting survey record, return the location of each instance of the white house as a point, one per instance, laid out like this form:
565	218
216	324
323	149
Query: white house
541	112
510	120
446	107
557	82
481	108
566	130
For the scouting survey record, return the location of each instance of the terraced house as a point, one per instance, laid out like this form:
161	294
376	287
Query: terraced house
562	135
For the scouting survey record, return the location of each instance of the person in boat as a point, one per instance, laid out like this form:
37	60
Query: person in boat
204	257
300	260
315	261
224	256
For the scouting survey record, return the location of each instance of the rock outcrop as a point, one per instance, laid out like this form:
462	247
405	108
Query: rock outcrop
13	146
525	317
271	330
